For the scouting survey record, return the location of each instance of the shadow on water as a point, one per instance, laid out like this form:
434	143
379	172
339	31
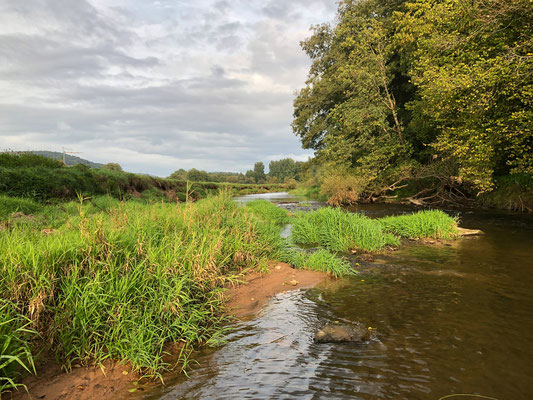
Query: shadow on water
455	319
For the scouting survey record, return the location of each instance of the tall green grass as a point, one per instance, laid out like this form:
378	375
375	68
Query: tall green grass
269	212
15	353
338	230
423	224
119	280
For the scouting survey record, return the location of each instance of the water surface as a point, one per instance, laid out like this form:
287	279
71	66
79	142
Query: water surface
451	319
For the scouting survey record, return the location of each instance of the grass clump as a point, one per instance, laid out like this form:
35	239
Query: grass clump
338	230
321	260
434	224
15	353
11	205
269	212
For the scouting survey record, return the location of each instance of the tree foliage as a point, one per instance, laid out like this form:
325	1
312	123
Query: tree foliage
284	169
472	65
112	166
394	85
259	172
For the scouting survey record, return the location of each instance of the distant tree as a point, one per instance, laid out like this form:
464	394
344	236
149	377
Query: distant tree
284	169
197	176
180	175
259	172
112	166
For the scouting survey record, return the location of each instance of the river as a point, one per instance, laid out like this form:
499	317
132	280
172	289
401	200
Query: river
450	320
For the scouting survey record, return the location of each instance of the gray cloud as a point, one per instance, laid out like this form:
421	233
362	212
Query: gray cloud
155	85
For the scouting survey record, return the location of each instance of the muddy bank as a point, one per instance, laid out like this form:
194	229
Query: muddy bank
116	381
248	298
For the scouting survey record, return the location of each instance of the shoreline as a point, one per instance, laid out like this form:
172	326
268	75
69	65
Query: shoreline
114	380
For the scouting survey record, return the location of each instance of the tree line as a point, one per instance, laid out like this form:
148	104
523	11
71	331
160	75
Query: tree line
279	171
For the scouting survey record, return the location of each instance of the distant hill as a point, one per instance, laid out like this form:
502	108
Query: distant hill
69	159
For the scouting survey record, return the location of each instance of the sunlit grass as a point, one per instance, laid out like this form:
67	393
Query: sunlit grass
338	230
269	212
434	224
321	260
15	353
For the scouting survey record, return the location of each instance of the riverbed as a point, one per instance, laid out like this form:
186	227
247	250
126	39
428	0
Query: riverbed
451	319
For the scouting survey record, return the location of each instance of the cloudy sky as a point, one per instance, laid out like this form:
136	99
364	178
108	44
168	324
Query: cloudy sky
155	85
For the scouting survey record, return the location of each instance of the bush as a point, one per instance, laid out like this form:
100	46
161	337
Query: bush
342	188
23	159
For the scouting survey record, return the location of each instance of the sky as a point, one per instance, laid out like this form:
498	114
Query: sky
156	85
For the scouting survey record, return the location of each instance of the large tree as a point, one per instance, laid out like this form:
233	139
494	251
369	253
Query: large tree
284	169
472	64
440	83
348	111
259	172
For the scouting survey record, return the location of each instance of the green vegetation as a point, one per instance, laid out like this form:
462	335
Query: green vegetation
102	279
112	166
437	94
269	212
341	231
338	230
512	192
285	169
280	171
69	159
21	160
423	224
31	176
121	279
15	353
320	260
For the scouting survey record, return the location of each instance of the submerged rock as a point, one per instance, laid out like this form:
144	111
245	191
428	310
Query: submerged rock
339	333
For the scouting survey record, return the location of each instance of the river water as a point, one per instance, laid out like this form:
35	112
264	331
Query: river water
450	319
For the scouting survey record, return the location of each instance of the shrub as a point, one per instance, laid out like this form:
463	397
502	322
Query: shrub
342	188
24	159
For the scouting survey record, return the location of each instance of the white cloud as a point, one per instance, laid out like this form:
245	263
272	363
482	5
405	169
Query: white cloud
155	85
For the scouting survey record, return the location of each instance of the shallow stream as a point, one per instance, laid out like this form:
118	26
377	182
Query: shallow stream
451	319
